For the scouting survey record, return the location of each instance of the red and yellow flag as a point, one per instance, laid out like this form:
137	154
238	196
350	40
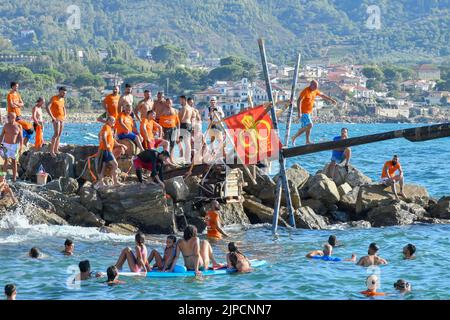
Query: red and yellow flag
253	135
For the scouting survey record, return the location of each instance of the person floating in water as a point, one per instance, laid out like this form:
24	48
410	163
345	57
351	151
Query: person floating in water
112	274
305	104
85	271
213	222
326	253
332	240
197	254
5	190
34	253
409	252
338	156
390	178
372	284
402	286
11	142
236	260
10	292
136	261
68	247
164	263
371	259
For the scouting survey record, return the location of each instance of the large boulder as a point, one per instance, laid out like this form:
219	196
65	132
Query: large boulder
141	205
233	213
306	218
64	185
370	196
193	185
441	210
347	202
296	175
344	189
324	189
90	198
318	206
120	228
177	188
259	213
81	153
62	165
264	188
395	213
353	177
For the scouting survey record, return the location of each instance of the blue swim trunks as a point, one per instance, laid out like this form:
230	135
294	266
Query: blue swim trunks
27	133
131	136
107	156
337	156
306	120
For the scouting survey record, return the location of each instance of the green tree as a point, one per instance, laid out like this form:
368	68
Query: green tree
169	54
227	72
373	72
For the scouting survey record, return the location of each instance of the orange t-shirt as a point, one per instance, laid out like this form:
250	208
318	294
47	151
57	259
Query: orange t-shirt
13	97
211	225
148	125
391	168
57	108
307	97
127	121
25	124
112	104
169	121
109	138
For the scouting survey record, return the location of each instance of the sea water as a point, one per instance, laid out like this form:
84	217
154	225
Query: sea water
288	275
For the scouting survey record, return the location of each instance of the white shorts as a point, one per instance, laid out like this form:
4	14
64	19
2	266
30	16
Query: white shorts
9	151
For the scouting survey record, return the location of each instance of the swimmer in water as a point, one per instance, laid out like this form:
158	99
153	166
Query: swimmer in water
165	263
68	247
10	292
372	286
85	271
34	253
332	240
326	252
402	286
136	261
213	222
371	259
236	260
113	276
408	252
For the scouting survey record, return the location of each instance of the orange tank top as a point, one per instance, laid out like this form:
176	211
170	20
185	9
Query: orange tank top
373	294
169	121
109	138
211	225
112	104
127	121
14	97
57	108
148	125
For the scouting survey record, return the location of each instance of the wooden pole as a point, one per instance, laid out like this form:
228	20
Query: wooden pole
291	107
282	176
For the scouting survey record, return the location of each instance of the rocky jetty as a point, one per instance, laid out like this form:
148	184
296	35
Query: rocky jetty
351	199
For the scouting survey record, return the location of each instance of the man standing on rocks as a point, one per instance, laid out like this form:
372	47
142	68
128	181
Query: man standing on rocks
159	105
127	98
187	116
11	141
111	105
57	111
305	104
338	156
144	106
389	178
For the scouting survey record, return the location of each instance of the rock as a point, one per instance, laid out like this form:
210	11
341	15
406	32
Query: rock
296	175
90	198
144	206
396	213
71	210
81	153
265	187
316	205
306	218
60	166
177	188
259	213
433	220
370	196
193	182
233	213
324	189
340	216
120	228
354	177
441	209
295	199
344	188
131	147
360	224
348	202
65	185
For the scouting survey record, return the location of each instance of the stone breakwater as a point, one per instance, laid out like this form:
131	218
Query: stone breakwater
351	199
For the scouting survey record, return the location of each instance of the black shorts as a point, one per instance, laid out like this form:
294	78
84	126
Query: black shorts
186	131
170	135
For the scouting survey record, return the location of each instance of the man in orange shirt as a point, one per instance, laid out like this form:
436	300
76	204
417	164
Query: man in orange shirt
213	223
107	144
148	126
111	105
305	104
57	111
125	127
389	177
15	103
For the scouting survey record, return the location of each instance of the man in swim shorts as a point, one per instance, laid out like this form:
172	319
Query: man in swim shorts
169	121
339	156
154	162
144	106
159	105
15	105
148	129
57	111
125	127
38	123
127	98
390	178
11	141
186	116
371	259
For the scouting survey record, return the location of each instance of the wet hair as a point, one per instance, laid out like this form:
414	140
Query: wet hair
190	99
62	89
112	273
401	284
373	246
165	154
332	240
127	85
233	259
234	251
139	238
35	253
84	266
10	289
189	232
13	83
173	238
411	248
68	242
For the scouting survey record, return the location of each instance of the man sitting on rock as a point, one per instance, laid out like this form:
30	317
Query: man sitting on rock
338	156
5	189
153	161
126	128
389	177
371	259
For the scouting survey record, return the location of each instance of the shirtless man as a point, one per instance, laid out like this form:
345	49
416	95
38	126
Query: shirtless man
144	106
57	111
12	143
197	254
38	123
14	105
187	116
126	98
159	105
198	140
372	258
169	120
5	190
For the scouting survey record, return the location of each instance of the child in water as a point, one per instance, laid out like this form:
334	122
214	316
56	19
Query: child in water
236	260
136	261
113	276
372	286
164	263
68	247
